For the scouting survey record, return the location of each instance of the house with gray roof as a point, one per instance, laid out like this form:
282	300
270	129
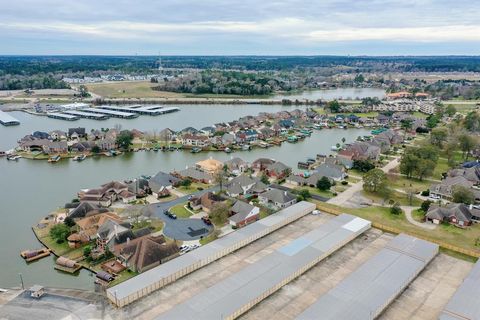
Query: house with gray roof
243	213
457	214
162	180
236	165
277	198
278	170
446	188
195	175
331	171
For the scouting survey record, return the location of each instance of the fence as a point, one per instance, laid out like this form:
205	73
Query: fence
471	253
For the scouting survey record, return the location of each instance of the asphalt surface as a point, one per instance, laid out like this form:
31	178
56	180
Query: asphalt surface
313	196
185	229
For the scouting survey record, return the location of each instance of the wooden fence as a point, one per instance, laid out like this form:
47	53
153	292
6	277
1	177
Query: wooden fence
390	229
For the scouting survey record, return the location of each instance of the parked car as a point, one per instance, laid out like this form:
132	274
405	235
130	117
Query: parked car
316	212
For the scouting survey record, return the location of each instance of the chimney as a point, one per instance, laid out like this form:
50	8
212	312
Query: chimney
470	206
128	240
115	229
285	193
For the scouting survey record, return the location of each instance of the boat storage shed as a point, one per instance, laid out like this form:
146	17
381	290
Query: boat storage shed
367	291
464	303
235	295
156	278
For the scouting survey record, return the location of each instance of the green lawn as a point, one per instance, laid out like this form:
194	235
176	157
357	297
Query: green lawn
442	166
464	238
396	196
401	182
123	276
193	187
327	193
180	210
418	215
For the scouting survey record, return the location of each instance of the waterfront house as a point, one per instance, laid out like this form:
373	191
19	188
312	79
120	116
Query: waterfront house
162	181
331	171
167	135
144	253
58	135
75	133
88	226
105	195
106	144
210	166
207	131
40	135
239	185
261	164
206	201
276	198
228	139
277	170
84	209
195	175
127	196
243	213
53	147
82	146
236	166
112	233
192	140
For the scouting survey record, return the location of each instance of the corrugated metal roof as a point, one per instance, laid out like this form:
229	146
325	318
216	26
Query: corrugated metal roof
464	303
208	251
369	289
228	296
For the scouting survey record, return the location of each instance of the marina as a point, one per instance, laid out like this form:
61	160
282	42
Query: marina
113	113
62	116
87	115
144	110
8	120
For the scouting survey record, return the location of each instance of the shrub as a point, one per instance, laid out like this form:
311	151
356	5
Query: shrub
344	182
425	193
395	209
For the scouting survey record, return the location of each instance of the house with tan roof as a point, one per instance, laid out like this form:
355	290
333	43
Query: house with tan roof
210	166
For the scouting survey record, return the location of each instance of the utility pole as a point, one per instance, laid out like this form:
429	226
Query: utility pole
21	280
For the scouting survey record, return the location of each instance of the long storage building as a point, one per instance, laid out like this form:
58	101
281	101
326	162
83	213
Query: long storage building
464	303
367	291
8	120
156	278
235	295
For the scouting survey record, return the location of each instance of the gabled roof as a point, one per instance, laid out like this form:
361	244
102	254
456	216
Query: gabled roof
162	179
241	210
278	196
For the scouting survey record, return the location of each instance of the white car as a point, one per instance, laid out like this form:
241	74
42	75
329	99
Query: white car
316	212
434	196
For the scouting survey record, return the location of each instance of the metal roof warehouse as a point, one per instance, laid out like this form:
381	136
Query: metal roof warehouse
464	303
8	120
367	291
154	279
238	293
113	113
87	115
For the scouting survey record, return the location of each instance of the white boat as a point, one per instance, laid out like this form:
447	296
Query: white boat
13	157
79	157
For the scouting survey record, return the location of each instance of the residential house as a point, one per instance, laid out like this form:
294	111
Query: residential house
144	253
472	174
236	166
88	226
106	144
58	135
239	185
243	213
331	171
84	209
278	170
105	195
210	166
261	164
191	140
446	188
457	214
195	175
277	198
228	139
167	135
206	201
162	181
77	133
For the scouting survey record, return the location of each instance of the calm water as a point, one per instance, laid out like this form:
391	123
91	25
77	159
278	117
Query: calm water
31	189
331	94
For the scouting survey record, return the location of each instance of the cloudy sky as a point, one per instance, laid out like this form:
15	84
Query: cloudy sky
257	27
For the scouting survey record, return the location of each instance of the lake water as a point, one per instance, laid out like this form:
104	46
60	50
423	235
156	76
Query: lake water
31	189
332	94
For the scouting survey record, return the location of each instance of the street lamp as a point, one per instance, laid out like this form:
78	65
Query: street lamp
21	280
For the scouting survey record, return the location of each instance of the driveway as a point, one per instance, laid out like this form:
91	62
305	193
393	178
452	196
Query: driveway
408	215
180	229
285	188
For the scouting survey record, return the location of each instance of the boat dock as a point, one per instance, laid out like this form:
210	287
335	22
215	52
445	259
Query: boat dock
144	110
32	255
87	115
113	113
62	116
8	120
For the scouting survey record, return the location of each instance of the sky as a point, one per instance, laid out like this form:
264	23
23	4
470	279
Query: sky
247	27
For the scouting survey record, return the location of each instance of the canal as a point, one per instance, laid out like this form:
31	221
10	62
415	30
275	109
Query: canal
30	189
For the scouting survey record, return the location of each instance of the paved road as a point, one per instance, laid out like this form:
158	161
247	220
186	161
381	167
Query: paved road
346	195
314	196
408	215
185	229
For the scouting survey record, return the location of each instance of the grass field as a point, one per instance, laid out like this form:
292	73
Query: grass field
464	238
180	211
192	188
124	89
